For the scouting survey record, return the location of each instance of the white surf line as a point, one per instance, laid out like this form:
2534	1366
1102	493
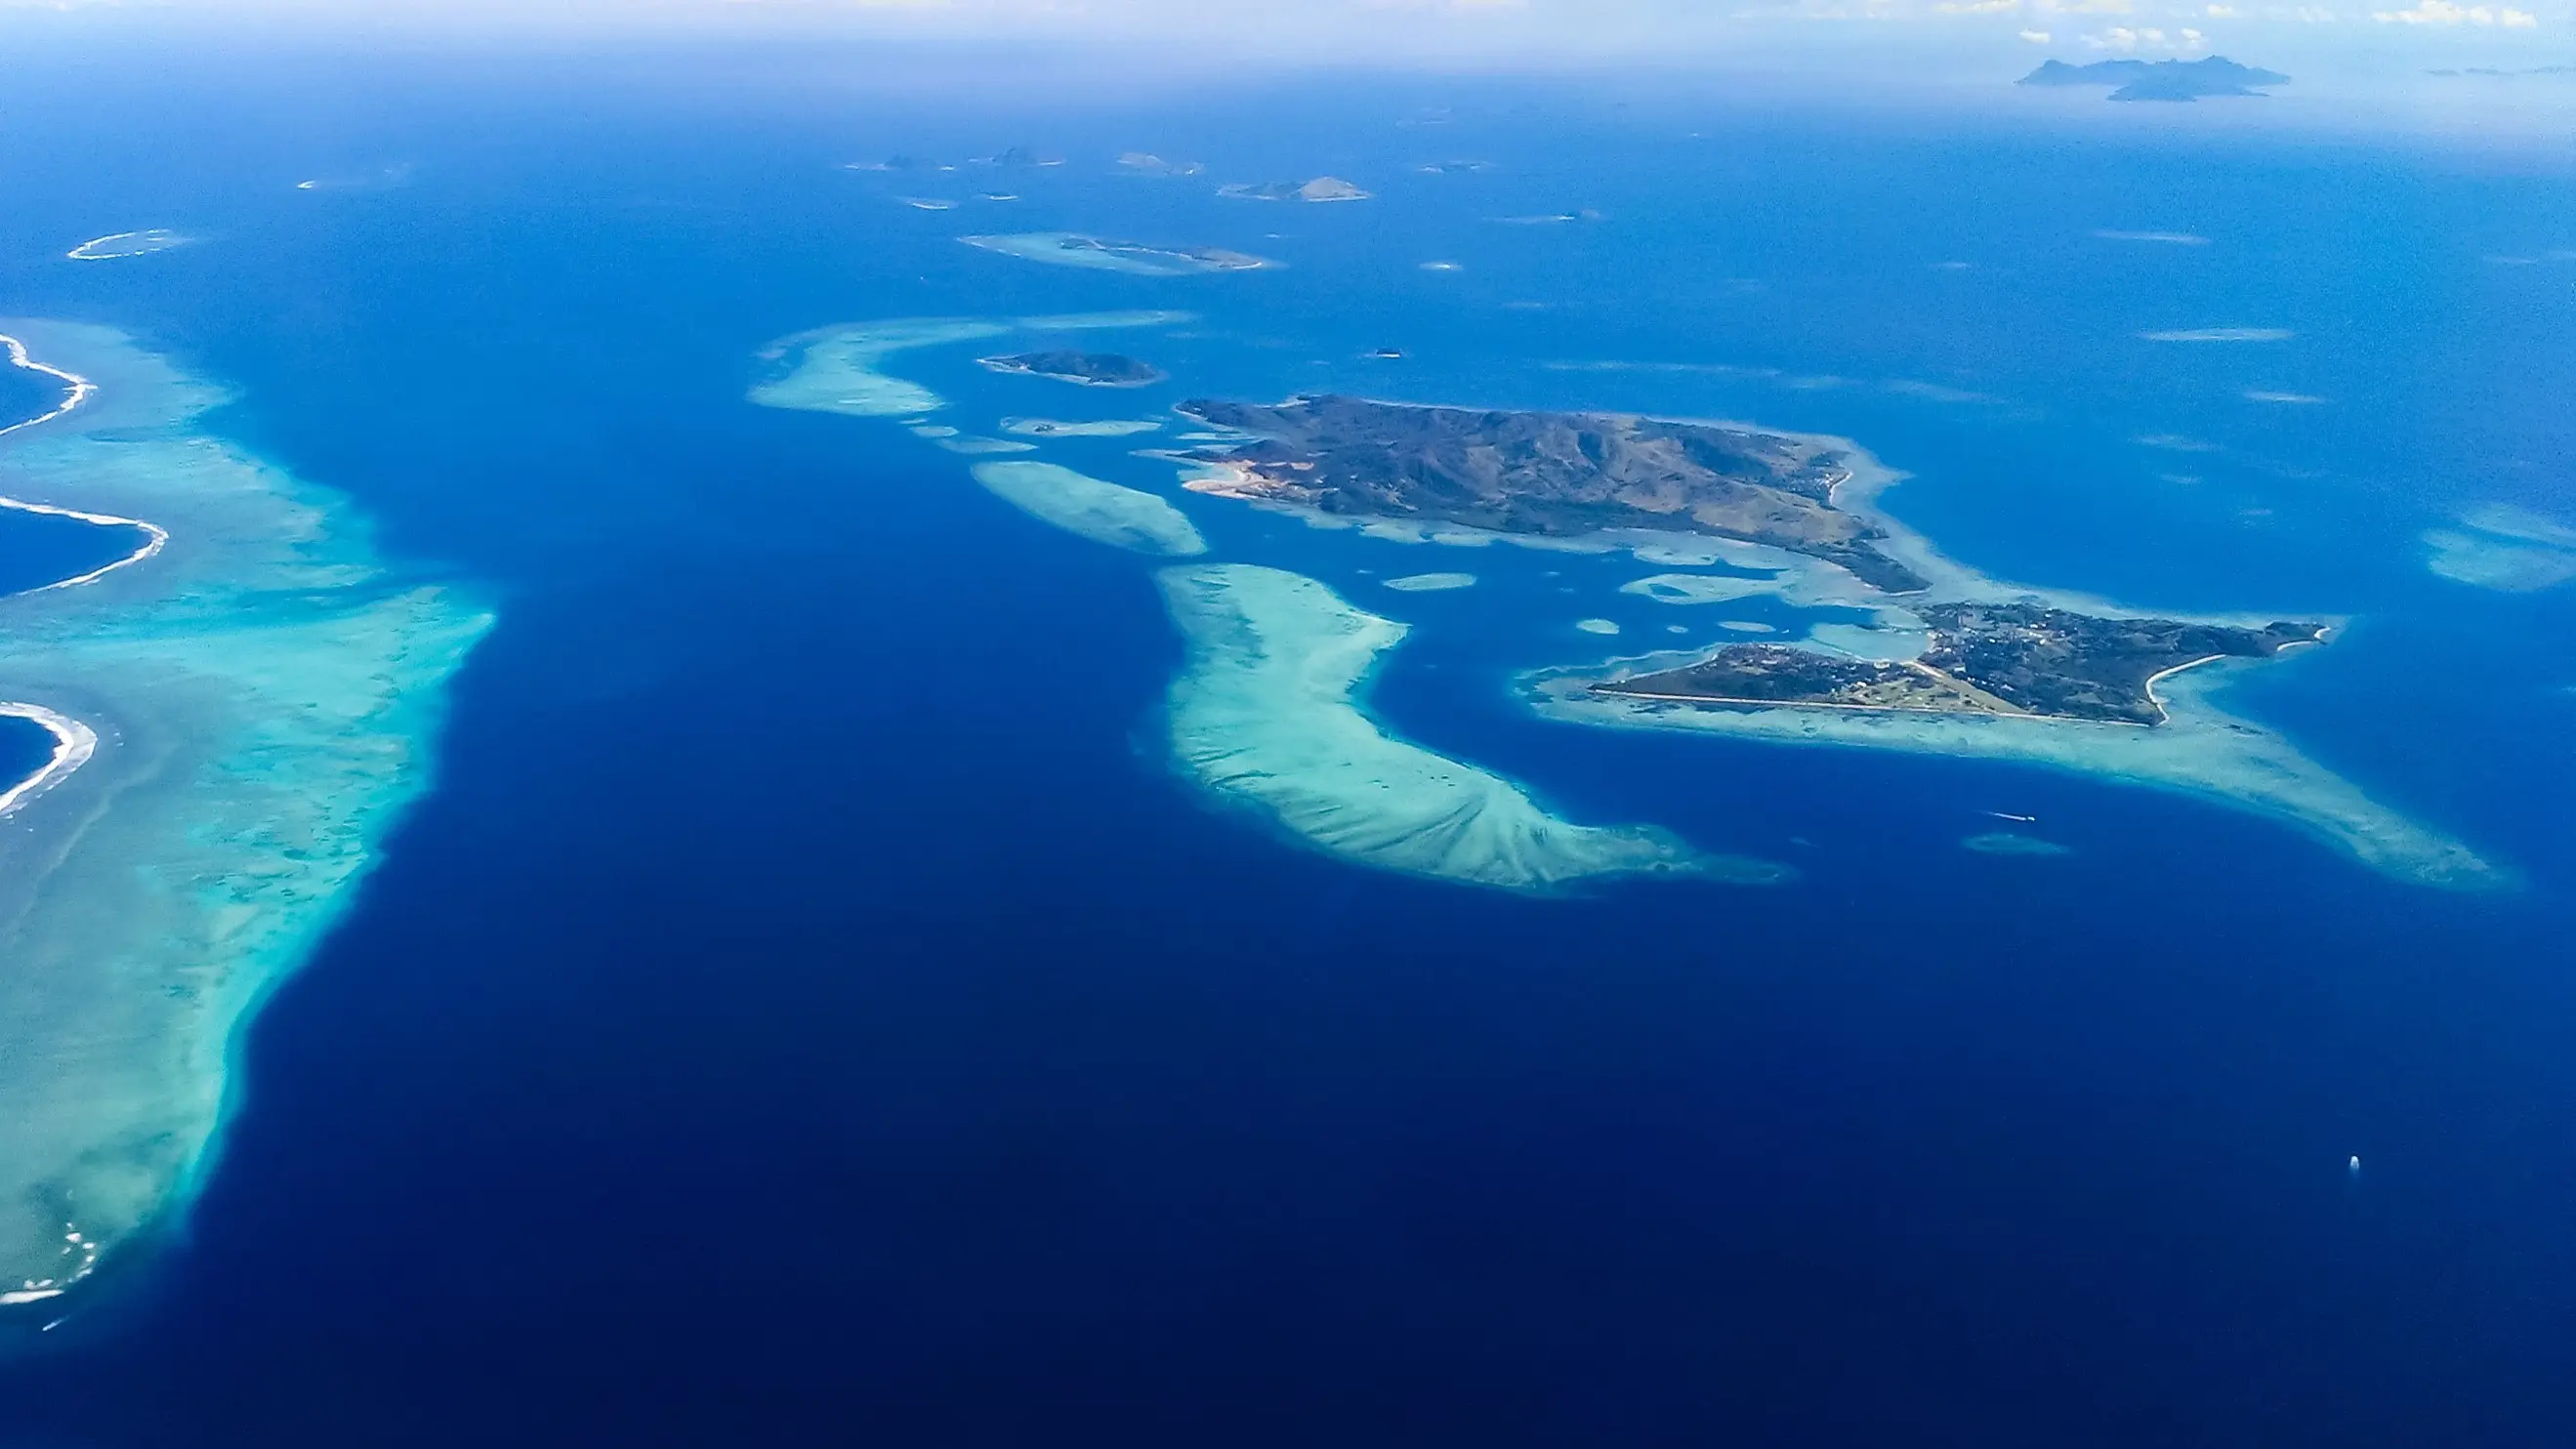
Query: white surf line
74	743
81	387
155	537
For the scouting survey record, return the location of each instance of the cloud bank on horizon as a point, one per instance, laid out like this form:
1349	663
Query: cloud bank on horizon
1377	30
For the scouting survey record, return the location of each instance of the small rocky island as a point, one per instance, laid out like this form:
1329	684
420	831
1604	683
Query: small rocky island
1322	188
2001	659
1091	369
1559	475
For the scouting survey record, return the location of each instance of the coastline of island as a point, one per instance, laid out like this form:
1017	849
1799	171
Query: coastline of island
1267	713
2108	690
2062	656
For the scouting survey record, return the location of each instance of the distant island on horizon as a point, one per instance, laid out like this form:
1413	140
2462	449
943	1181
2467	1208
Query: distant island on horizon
2160	80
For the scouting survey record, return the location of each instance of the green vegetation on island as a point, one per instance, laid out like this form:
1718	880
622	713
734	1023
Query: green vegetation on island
1091	369
1559	475
2003	659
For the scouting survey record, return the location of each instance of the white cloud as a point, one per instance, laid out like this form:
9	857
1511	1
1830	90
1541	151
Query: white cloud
2222	12
2143	39
2035	37
2443	12
1976	7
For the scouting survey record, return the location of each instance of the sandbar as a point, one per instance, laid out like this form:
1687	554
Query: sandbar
1430	583
1072	249
1697	588
2505	548
2007	842
127	244
1099	510
1101	428
1268	715
2220	334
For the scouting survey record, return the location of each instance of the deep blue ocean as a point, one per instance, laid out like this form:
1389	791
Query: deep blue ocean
809	1010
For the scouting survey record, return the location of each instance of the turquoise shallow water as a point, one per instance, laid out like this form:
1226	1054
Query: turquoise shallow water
810	998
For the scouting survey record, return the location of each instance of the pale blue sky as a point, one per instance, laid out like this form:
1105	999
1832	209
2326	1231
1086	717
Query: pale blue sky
2391	32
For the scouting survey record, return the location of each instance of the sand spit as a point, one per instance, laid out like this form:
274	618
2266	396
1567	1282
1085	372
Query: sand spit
1268	715
1099	510
1430	583
2200	751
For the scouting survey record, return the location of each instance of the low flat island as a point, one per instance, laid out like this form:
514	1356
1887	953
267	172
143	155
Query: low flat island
2000	659
1091	369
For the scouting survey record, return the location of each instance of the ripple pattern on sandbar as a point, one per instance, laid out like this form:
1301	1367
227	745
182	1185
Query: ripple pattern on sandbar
1267	715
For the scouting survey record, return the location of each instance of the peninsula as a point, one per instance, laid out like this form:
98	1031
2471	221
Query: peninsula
1558	475
1091	369
1996	659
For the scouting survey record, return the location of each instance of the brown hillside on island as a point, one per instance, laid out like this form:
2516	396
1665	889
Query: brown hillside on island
2006	659
1556	474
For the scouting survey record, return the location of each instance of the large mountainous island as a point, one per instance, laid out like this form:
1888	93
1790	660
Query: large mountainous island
2160	80
1559	475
